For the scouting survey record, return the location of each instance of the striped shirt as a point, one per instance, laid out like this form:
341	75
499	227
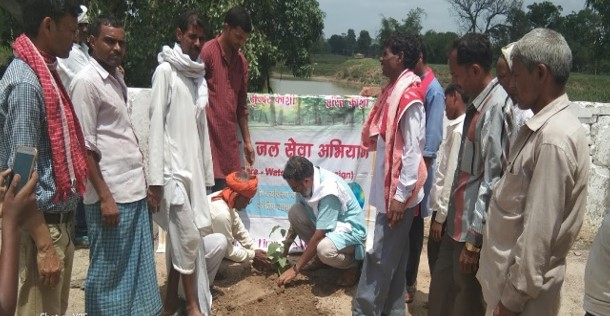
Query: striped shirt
227	84
23	123
479	166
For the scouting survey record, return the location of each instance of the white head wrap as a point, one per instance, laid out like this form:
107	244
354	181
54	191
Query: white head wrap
506	50
83	18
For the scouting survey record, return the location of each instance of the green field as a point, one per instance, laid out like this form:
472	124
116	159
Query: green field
367	71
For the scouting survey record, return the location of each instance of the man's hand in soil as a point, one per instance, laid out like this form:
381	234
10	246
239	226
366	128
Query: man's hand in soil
287	276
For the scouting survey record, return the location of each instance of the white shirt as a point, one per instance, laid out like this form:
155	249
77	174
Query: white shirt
175	142
226	221
69	67
100	102
448	156
413	130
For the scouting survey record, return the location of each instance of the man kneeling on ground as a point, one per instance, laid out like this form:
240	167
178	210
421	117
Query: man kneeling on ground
241	187
328	217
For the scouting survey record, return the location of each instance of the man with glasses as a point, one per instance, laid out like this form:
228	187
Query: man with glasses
328	217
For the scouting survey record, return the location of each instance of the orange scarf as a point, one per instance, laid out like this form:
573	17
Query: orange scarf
236	186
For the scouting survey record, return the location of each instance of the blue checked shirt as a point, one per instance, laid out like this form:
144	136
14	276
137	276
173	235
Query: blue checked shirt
23	122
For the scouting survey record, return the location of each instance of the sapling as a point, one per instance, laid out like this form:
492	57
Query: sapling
278	252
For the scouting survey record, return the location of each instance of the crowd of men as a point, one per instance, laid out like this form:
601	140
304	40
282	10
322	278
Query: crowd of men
506	187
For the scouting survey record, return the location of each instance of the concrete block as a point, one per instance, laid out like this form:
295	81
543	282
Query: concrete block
601	137
598	197
584	114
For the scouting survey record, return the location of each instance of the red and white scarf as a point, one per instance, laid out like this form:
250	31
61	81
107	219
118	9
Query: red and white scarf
384	120
65	134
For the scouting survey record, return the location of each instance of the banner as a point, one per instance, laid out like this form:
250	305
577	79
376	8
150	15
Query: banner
325	130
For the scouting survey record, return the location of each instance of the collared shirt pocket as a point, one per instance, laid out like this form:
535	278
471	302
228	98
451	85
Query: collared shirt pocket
511	191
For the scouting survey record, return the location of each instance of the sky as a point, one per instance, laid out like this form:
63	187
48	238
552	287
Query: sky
342	15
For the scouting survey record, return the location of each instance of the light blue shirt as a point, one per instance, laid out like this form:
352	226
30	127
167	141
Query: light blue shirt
330	213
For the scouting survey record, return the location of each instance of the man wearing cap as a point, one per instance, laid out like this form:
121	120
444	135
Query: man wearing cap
79	54
240	189
514	117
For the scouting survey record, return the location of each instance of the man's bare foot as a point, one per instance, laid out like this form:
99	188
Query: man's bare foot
170	308
193	310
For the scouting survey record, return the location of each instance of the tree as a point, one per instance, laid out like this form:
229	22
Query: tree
544	14
603	9
12	7
282	31
364	42
481	15
350	42
320	46
438	45
411	24
516	25
388	26
337	44
583	32
519	24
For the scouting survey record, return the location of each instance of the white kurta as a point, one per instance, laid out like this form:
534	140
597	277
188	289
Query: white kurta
176	143
180	162
69	67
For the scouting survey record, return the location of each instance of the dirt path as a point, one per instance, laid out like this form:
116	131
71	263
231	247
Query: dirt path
246	292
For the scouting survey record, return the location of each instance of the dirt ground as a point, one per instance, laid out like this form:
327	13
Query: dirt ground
245	291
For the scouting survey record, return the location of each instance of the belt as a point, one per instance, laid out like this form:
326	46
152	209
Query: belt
58	218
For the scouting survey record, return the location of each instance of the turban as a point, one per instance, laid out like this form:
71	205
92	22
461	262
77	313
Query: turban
246	188
83	18
506	51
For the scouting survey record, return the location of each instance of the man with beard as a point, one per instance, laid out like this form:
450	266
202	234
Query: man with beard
121	279
328	217
180	167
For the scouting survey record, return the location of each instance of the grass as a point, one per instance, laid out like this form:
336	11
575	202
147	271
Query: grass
367	71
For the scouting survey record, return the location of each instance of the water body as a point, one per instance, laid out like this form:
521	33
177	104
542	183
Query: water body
310	87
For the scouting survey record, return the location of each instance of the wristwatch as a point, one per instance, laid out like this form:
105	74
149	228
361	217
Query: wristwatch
472	248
